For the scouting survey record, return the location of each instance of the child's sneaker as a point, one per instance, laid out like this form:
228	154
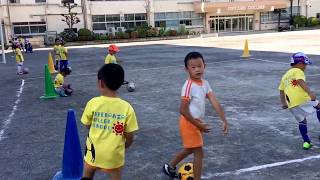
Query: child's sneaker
307	145
169	171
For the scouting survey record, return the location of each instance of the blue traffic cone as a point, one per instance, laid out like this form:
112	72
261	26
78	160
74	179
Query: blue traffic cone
72	163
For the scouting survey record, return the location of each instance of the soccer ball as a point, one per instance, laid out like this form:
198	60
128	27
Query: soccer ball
131	87
185	171
25	70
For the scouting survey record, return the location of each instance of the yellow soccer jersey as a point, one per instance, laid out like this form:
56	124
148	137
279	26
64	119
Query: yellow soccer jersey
108	118
19	56
56	49
295	95
58	81
110	59
63	52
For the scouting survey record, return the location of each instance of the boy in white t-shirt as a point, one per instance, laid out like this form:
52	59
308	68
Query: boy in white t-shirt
192	110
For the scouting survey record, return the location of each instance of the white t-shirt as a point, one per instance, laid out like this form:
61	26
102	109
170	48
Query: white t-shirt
196	92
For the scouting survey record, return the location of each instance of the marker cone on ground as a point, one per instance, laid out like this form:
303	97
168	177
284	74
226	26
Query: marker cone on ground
246	52
50	64
49	91
72	163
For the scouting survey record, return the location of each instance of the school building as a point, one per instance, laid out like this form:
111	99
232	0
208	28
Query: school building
41	18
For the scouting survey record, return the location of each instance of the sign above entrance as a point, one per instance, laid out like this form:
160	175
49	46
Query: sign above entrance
244	7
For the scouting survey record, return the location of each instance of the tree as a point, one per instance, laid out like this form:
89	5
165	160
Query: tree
291	14
70	18
279	12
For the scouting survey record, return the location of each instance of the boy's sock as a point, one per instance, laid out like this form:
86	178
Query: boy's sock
304	131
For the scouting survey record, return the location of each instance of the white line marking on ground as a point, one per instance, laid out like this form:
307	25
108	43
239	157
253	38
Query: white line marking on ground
144	69
7	122
256	168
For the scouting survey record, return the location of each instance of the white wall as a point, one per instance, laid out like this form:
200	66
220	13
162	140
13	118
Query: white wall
116	7
172	6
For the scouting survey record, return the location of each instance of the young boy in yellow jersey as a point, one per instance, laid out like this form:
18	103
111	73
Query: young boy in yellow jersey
56	53
111	58
19	59
194	93
111	122
60	86
296	95
63	56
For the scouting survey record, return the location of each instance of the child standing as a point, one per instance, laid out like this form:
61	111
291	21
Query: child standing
60	86
19	59
296	95
56	53
111	58
63	56
111	122
192	110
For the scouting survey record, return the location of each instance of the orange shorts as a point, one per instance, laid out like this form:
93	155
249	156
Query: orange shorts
101	169
191	136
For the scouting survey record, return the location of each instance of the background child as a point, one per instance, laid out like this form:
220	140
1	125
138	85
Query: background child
192	110
63	56
56	53
60	86
111	58
19	59
296	95
111	122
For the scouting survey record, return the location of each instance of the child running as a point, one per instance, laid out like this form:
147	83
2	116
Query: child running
111	122
296	95
192	110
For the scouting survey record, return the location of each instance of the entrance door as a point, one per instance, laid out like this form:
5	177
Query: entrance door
221	25
228	25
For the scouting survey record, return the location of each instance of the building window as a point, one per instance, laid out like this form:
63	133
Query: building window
128	21
14	1
285	15
318	15
41	1
174	19
29	28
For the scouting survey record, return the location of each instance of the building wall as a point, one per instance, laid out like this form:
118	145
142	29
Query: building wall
49	12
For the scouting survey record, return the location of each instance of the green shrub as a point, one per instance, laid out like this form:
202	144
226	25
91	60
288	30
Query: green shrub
313	21
183	30
111	36
119	35
69	35
84	32
103	37
300	20
85	35
171	32
143	31
134	34
126	36
152	32
162	31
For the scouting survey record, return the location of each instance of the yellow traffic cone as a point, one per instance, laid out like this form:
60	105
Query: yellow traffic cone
246	52
50	64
